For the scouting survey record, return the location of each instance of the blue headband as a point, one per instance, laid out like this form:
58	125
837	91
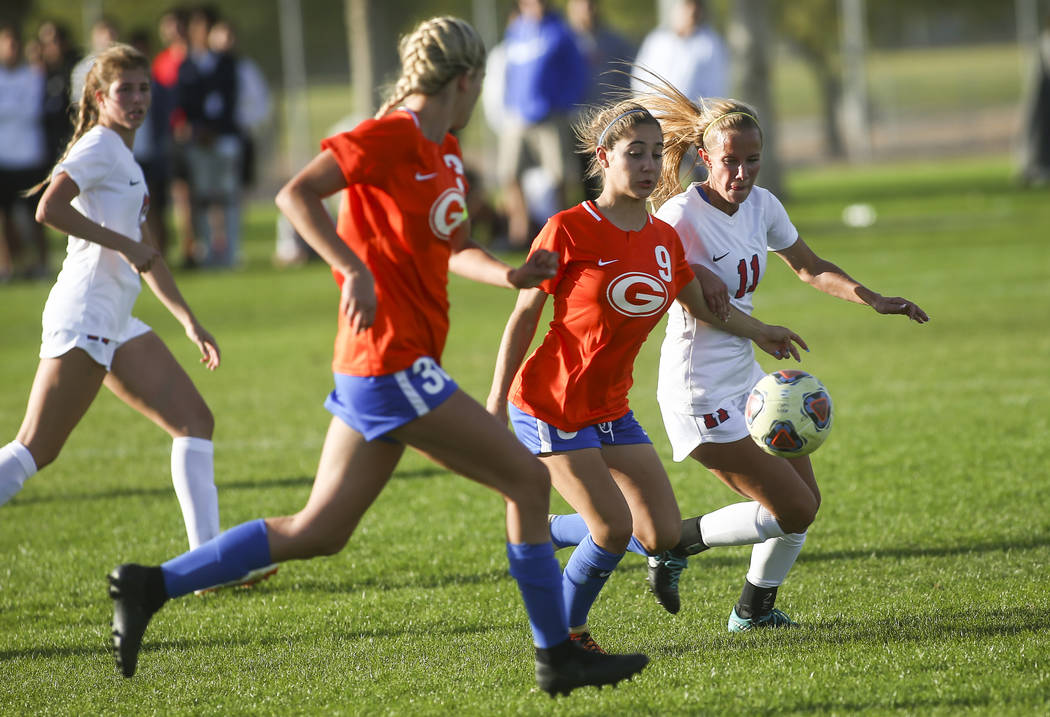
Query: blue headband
601	137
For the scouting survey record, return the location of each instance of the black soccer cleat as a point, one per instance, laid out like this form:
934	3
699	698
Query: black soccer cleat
664	571
580	667
131	614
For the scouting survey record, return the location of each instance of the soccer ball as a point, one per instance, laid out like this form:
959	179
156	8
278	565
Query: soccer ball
789	413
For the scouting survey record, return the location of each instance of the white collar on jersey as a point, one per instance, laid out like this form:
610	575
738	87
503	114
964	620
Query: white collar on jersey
592	209
413	115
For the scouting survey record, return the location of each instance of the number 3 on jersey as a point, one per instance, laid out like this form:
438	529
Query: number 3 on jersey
747	283
434	377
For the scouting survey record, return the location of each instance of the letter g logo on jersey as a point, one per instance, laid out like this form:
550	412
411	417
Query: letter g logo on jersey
447	213
637	294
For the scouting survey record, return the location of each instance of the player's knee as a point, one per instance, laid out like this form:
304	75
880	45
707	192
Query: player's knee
658	539
201	423
797	516
531	492
613	532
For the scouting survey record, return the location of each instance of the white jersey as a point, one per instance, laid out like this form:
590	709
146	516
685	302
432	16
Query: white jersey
97	287
701	366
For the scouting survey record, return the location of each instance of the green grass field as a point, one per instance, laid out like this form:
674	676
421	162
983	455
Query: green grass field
922	589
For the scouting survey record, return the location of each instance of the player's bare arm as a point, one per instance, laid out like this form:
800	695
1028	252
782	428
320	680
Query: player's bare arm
301	201
827	277
517	336
160	281
55	209
778	341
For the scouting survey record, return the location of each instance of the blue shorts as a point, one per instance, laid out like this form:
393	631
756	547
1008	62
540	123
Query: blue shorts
376	405
540	437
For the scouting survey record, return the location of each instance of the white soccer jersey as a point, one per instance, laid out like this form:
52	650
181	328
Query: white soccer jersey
700	366
97	287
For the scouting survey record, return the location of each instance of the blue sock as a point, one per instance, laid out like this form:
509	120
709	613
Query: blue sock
569	530
539	579
586	573
225	557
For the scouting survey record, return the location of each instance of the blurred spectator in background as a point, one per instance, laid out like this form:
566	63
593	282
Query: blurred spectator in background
171	28
1035	167
23	156
207	96
544	83
689	54
152	150
252	111
608	55
59	57
104	32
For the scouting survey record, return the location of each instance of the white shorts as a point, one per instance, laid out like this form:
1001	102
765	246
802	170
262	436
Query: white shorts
100	348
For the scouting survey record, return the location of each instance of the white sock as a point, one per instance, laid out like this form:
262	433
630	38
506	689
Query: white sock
193	474
16	466
771	560
739	524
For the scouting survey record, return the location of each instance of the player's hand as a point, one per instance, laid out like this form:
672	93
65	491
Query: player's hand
206	343
540	266
358	300
141	255
716	295
779	342
898	305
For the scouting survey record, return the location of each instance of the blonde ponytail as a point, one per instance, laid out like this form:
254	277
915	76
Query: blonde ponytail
109	63
687	124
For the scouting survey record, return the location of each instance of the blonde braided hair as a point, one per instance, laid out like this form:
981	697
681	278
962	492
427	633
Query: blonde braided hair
434	53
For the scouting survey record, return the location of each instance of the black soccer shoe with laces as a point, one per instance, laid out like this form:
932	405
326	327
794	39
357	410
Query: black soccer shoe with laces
579	667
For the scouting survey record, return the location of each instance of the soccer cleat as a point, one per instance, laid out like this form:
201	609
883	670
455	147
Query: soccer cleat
584	640
773	618
251	578
131	614
580	667
664	571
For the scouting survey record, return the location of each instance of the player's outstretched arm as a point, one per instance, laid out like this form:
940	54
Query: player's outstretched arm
471	261
825	276
777	341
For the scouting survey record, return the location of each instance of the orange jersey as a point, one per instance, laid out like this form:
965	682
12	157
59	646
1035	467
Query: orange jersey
611	290
403	204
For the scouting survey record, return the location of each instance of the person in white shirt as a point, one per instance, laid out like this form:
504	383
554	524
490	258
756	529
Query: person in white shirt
689	53
23	155
727	225
97	195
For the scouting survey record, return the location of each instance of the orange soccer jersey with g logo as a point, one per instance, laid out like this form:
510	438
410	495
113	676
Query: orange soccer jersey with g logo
404	202
611	290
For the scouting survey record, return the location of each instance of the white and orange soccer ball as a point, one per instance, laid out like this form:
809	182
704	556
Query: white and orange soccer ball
789	413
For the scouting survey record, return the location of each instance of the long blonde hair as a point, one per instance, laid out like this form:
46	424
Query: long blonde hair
689	124
602	126
112	62
435	52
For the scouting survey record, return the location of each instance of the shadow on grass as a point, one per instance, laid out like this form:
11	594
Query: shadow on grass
281	639
715	558
937	627
223	486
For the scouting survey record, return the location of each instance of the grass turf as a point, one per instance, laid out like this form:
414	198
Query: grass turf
922	589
